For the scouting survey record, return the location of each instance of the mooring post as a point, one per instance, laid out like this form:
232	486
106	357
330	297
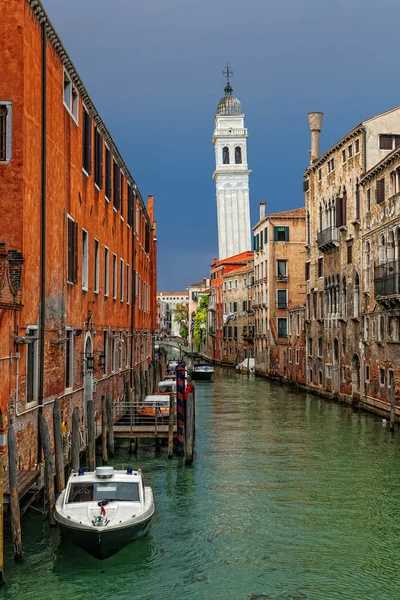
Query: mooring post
91	436
58	447
104	430
392	401
48	466
110	425
171	422
180	408
194	407
1	521
189	430
14	497
75	440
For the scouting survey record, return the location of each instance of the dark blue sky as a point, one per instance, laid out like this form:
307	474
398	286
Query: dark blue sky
154	70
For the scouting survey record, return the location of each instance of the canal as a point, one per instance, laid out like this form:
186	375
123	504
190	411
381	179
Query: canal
290	496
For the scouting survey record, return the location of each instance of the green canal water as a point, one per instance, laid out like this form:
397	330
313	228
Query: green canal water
289	497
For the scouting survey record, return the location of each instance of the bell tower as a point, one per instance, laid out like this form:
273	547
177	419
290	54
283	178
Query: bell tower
231	175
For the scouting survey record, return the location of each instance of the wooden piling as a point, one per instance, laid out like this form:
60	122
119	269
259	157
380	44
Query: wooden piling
194	408
392	401
14	497
171	419
189	429
110	424
75	440
1	521
48	466
91	435
104	430
58	447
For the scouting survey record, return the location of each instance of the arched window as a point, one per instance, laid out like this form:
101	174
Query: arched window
238	155
382	249
225	155
344	298
367	266
390	246
356	296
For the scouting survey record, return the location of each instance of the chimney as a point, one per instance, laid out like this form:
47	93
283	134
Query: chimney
315	122
262	209
150	207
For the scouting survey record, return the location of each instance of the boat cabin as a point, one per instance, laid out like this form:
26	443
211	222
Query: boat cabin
105	484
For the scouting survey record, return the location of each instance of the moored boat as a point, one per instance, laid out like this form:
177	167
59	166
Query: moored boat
102	511
202	372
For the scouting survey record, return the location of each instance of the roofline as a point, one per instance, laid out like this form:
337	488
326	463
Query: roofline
358	129
278	216
42	17
380	165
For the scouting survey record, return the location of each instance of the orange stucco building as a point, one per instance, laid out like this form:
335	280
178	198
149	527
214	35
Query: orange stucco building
77	242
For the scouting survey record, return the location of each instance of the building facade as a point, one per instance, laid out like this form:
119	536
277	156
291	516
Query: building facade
168	302
334	250
231	176
296	357
78	244
238	320
279	240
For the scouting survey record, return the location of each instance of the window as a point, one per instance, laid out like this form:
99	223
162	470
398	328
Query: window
368	199
236	283
357	203
357	146
320	377
381	376
72	256
120	347
225	155
310	346
367	379
106	270
5	131
320	347
114	277
96	266
108	175
344	156
121	279
70	97
321	267
349	254
225	307
98	159
350	150
388	142
113	335
137	220
235	307
224	285
244	305
87	142
105	352
380	190
244	282
238	155
69	359
331	165
128	284
32	366
282	269
282	298
235	332
307	271
282	328
230	285
117	187
319	174
130	206
85	260
381	328
290	355
281	234
297	356
366	329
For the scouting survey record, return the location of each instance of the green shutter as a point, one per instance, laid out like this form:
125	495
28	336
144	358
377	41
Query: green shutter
278	234
235	306
261	241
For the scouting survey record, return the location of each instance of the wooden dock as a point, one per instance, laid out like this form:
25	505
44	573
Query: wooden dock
141	431
26	480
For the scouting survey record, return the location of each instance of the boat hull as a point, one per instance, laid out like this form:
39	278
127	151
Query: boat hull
201	375
102	542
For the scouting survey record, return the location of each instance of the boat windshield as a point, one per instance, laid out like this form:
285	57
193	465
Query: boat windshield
85	491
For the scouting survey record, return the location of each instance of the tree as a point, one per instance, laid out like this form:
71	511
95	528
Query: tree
200	320
183	331
181	316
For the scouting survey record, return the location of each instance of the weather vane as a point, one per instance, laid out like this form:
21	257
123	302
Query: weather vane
227	73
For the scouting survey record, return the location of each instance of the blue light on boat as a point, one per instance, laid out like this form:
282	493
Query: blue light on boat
129	471
81	471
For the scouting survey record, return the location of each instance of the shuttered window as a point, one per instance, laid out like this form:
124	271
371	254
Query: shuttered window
3	132
307	271
357	206
282	328
235	307
235	332
98	159
306	185
117	187
130	206
72	258
385	142
380	190
281	234
339	213
108	174
147	239
87	142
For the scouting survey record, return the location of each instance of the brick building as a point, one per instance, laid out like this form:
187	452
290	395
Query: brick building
296	360
238	321
78	245
215	318
279	240
380	282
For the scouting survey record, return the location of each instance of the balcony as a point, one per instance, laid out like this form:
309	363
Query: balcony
328	238
387	283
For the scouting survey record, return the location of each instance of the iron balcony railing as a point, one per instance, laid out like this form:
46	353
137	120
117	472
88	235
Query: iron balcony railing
387	278
327	237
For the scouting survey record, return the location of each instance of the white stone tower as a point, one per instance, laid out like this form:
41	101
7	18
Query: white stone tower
231	175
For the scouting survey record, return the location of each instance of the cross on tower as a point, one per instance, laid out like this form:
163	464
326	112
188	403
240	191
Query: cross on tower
227	73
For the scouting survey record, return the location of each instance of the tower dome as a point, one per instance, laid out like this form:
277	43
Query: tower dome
229	105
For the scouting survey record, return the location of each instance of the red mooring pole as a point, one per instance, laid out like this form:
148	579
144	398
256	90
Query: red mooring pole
180	398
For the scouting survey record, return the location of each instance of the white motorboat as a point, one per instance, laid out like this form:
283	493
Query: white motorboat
202	372
102	511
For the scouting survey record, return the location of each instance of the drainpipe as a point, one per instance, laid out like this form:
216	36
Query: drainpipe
43	233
